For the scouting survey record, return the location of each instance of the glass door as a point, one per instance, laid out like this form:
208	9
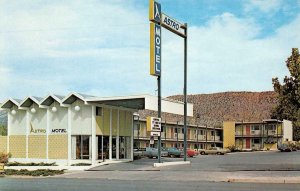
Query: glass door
114	147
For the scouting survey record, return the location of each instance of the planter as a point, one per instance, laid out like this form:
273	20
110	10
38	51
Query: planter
1	168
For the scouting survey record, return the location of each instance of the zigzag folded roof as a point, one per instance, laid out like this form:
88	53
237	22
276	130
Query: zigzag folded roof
136	102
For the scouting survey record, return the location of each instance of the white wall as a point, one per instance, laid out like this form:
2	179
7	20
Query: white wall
58	119
37	120
82	119
168	106
287	130
18	123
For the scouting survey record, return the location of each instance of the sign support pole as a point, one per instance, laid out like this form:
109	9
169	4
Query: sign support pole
159	115
185	89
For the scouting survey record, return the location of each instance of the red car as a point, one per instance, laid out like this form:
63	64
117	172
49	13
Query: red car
191	153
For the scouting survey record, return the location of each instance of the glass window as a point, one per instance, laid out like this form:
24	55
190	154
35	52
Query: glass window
255	141
176	130
212	133
201	132
98	111
255	127
182	130
106	147
82	148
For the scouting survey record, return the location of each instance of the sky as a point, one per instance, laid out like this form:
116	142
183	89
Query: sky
101	47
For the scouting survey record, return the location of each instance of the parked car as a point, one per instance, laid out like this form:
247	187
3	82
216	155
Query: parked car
174	152
284	148
138	153
213	150
191	153
153	152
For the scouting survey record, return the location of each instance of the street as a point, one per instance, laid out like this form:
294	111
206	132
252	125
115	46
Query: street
235	171
52	184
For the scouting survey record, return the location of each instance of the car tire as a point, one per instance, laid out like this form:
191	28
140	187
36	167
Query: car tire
172	156
218	153
202	153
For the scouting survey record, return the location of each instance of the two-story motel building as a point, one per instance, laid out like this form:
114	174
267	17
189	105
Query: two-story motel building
262	135
198	137
76	128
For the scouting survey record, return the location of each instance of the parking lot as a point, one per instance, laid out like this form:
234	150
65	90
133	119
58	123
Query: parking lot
245	161
234	171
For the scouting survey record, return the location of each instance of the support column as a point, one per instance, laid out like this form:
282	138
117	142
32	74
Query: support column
27	132
118	135
94	147
69	135
110	134
47	134
132	134
8	129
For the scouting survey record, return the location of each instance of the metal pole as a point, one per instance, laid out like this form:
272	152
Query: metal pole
165	132
197	137
242	135
277	131
177	134
214	136
185	88
159	115
138	132
205	136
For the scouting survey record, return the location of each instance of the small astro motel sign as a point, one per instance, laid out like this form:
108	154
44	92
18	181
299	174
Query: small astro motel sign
154	125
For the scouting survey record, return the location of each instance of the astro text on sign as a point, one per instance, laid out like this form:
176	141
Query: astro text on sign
171	24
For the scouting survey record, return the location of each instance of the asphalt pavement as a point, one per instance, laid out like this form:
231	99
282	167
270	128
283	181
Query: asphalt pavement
236	171
53	184
263	167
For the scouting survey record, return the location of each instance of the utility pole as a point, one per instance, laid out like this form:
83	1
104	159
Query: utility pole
185	88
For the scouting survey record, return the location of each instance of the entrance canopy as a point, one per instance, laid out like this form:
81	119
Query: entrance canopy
140	102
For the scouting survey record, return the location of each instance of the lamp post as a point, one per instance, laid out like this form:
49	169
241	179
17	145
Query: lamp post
136	117
177	134
214	136
197	118
138	128
205	136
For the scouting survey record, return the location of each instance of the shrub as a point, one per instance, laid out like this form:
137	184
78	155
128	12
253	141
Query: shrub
39	172
4	157
81	164
30	164
232	148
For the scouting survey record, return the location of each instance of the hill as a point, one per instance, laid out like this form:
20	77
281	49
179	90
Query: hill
215	108
3	118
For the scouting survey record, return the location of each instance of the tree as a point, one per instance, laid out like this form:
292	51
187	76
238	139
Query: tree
288	106
3	130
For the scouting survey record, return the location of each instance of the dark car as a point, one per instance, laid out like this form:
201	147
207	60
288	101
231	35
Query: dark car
153	152
174	152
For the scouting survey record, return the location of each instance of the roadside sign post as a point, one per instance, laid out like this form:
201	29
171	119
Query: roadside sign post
158	20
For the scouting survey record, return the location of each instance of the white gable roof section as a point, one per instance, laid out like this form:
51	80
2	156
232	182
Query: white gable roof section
136	102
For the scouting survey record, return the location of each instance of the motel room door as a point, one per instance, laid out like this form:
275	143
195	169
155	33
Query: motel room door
248	143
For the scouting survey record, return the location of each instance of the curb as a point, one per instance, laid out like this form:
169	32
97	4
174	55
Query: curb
271	181
171	163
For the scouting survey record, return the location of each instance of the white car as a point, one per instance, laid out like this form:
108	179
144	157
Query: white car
213	151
